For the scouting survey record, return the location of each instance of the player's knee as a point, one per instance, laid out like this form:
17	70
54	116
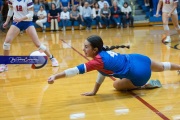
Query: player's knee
115	85
42	47
166	65
6	46
166	27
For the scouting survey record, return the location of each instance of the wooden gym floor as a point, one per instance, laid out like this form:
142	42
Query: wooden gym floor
25	94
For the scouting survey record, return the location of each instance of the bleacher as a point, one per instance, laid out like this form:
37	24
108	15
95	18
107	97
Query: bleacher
150	13
142	10
76	24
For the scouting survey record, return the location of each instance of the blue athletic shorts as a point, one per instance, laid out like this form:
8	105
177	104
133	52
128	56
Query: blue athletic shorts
23	25
140	70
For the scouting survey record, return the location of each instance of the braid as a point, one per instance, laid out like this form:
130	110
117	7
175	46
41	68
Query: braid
106	48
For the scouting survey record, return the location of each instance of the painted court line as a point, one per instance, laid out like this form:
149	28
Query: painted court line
132	93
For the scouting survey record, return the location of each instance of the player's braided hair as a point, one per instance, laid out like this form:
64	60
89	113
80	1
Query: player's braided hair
115	47
96	42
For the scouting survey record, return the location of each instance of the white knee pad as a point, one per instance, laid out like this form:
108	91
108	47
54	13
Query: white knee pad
6	46
177	27
166	65
166	27
42	47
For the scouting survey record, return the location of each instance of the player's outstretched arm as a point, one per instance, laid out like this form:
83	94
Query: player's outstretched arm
158	8
98	83
66	73
56	76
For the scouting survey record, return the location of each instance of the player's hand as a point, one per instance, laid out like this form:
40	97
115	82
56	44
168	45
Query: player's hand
17	20
5	24
157	15
169	15
51	79
88	94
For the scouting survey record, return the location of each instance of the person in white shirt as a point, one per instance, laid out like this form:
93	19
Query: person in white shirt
101	4
169	10
42	18
127	15
96	11
65	18
22	20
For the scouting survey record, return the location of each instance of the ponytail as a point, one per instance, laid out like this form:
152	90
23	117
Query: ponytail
106	48
97	42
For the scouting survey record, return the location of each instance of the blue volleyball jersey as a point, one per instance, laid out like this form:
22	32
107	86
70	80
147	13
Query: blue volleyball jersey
107	63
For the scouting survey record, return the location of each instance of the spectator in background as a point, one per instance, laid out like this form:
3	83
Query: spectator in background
64	18
53	17
74	16
154	6
119	3
91	2
115	13
146	3
127	15
1	7
57	3
5	10
101	4
76	3
42	18
65	3
86	15
45	3
96	12
106	14
36	9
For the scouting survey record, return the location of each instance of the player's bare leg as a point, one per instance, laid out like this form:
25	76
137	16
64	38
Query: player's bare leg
33	34
165	19
11	34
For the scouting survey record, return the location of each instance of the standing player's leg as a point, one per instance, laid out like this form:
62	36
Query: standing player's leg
174	18
33	34
165	19
11	34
